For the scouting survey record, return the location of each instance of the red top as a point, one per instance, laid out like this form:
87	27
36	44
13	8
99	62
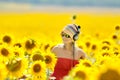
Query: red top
63	66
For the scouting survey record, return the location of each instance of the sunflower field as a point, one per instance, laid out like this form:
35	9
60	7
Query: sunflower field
26	40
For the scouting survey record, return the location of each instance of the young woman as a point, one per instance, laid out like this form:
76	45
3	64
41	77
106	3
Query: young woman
67	53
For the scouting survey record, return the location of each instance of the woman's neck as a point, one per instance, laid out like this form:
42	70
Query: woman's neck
69	46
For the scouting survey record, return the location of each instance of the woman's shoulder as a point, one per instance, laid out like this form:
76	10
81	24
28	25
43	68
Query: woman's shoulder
57	47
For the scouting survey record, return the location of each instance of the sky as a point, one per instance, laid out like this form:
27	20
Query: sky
99	3
59	5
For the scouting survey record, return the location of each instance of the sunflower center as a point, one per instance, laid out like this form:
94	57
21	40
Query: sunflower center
37	57
48	59
102	62
46	46
117	27
17	53
14	65
105	54
29	44
110	75
18	44
116	53
94	47
106	42
114	36
87	64
105	47
36	68
4	52
80	74
88	44
6	39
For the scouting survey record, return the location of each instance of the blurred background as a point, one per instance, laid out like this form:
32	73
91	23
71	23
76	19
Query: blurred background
36	17
36	4
100	3
41	15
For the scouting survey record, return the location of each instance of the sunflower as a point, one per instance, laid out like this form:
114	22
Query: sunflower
37	55
50	60
87	47
105	47
114	36
48	47
107	41
86	63
29	45
118	56
7	38
91	47
104	53
5	52
80	73
94	48
45	46
16	67
117	27
117	30
68	77
38	70
88	43
18	44
101	60
109	71
18	52
116	52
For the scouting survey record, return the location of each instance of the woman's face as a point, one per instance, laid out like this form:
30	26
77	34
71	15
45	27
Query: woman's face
66	38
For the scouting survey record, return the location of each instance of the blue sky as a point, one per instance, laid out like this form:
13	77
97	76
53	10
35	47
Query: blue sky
100	3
